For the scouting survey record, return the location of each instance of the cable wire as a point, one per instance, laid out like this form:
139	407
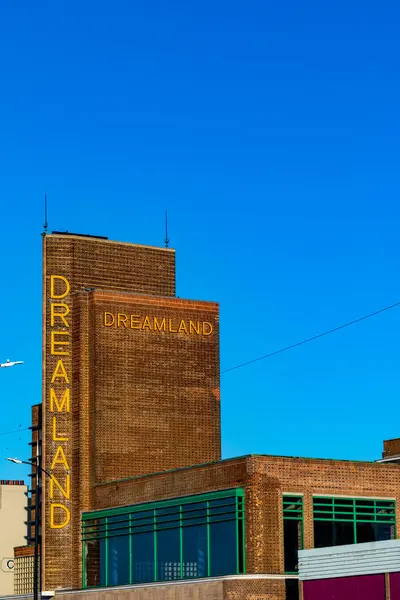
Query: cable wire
311	339
15	431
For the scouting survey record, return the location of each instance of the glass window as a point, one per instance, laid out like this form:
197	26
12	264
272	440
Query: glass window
167	517
168	555
189	537
103	567
118	560
194	551
292	531
374	532
349	521
323	534
95	567
194	513
331	533
223	548
143	557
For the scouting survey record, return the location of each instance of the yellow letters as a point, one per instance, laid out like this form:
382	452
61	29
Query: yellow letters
172	325
65	492
67	517
160	326
65	401
146	323
60	371
54	342
106	322
60	315
55	438
124	319
59	459
53	295
193	328
59	396
135	322
207	326
182	327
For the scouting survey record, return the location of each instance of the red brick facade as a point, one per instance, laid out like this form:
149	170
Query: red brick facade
265	479
130	380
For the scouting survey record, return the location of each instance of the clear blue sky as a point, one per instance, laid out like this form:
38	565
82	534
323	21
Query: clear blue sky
271	132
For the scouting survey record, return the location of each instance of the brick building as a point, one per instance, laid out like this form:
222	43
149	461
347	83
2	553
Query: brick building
13	530
131	435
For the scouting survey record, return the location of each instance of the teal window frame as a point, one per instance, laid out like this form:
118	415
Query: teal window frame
96	526
355	510
293	510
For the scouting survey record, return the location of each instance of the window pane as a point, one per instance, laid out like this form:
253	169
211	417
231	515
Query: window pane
195	513
240	530
168	555
373	532
118	524
143	557
95	565
364	503
343	534
292	589
384	532
223	548
292	543
343	502
323	534
365	532
118	560
167	517
222	501
194	546
333	533
222	509
142	521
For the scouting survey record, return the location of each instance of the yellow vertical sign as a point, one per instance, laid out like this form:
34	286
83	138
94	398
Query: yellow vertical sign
59	400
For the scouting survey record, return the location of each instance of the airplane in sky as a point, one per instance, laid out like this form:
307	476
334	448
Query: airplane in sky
10	364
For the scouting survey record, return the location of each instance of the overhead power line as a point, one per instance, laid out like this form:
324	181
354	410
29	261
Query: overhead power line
15	431
311	339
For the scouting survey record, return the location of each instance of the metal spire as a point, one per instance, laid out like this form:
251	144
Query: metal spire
166	230
45	224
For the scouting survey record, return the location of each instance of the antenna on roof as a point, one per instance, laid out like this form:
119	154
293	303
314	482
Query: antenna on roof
45	224
166	230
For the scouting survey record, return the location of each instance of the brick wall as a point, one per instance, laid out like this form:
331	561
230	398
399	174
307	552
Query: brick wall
155	393
220	589
265	479
141	399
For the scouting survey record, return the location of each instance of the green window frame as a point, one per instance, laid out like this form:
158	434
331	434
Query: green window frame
355	511
173	526
293	510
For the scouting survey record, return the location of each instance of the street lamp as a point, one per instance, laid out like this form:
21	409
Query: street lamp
9	364
37	593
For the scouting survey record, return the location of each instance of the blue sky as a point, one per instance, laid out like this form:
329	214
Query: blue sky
270	131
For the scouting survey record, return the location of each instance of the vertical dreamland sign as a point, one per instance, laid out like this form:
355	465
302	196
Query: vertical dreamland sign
57	449
59	401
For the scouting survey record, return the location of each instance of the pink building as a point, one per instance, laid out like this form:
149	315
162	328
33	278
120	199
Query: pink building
354	572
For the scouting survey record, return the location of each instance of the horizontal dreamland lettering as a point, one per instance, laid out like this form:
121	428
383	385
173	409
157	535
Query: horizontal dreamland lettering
157	324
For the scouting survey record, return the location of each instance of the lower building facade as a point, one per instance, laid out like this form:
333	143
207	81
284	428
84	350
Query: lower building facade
242	517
